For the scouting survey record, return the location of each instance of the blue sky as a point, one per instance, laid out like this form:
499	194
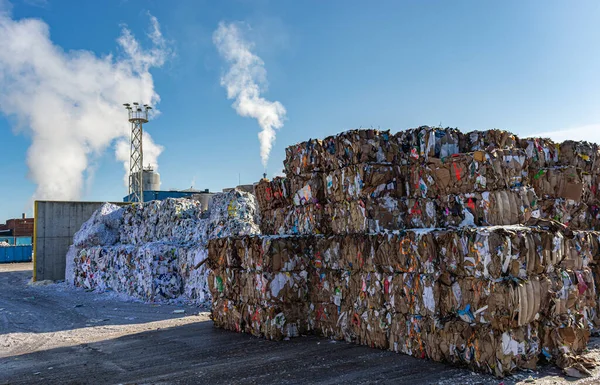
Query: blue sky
529	67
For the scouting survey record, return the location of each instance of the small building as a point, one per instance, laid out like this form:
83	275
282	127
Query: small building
18	231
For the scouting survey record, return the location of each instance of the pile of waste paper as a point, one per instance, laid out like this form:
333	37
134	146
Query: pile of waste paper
155	251
477	249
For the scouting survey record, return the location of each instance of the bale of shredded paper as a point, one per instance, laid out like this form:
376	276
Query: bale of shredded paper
102	228
155	251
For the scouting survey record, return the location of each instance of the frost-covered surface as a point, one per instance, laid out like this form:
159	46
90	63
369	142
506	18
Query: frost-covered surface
154	251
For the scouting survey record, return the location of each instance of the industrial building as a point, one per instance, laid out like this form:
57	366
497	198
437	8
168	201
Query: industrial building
17	231
151	190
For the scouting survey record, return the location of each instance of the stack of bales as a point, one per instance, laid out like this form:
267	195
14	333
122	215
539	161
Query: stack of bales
154	251
415	243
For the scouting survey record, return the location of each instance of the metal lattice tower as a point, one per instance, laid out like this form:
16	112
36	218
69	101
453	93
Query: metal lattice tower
137	117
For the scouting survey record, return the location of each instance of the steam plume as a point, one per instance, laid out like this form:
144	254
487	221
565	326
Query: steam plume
244	82
70	102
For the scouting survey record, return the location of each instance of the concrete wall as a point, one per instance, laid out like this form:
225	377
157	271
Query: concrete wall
55	224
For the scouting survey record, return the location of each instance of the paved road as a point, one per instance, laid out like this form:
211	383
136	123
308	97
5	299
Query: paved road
51	334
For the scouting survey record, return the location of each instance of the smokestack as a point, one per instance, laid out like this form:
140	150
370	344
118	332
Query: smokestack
23	216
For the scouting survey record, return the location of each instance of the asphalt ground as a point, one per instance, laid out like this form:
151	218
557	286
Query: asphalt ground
52	334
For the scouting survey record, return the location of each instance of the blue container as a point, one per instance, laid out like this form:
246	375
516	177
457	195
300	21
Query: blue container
13	254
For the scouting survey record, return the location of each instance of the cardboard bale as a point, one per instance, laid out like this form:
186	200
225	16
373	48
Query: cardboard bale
297	220
227	314
575	215
411	293
330	286
408	334
501	207
411	251
327	320
303	158
273	322
496	252
541	152
579	154
563	182
307	189
490	139
363	181
359	146
272	194
466	173
371	327
573	295
503	305
430	142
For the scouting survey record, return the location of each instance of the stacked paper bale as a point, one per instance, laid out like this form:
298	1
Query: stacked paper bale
494	298
371	181
566	181
154	251
259	285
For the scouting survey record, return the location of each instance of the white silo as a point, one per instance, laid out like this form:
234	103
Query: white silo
150	180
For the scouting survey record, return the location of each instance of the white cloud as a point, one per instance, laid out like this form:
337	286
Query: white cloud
590	133
70	103
245	81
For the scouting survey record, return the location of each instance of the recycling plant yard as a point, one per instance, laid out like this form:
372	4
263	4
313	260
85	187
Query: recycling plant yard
423	256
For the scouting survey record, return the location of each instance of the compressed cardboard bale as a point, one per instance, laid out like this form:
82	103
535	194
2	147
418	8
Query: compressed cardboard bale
575	215
541	152
371	327
496	252
303	158
327	254
226	283
559	343
272	194
270	288
363	181
274	322
411	251
410	293
359	146
330	286
280	253
356	253
503	305
430	142
327	320
296	220
490	139
579	154
227	314
273	221
366	216
502	207
467	173
271	321
563	182
408	334
307	189
573	295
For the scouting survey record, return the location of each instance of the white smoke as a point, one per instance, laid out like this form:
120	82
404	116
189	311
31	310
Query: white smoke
70	102
244	82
